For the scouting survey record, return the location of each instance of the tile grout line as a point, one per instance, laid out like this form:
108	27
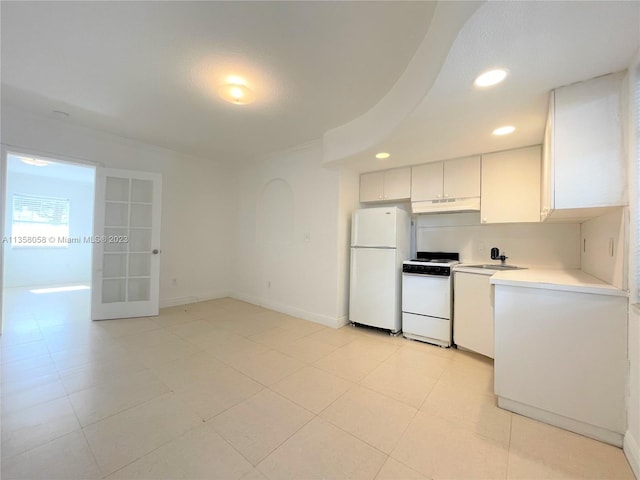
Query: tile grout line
509	447
153	450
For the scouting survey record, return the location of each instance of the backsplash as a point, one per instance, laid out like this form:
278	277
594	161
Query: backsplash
602	247
555	245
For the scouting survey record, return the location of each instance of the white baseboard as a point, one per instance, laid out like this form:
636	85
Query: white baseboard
278	307
342	321
201	297
632	452
293	311
588	430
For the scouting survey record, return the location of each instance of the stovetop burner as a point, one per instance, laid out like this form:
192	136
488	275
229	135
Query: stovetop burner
431	263
441	257
435	260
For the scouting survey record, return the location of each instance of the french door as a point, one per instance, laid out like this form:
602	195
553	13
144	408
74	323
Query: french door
126	244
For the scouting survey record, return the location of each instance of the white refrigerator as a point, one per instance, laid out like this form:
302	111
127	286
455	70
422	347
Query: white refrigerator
380	242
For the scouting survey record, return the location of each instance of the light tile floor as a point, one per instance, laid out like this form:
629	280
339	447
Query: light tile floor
228	390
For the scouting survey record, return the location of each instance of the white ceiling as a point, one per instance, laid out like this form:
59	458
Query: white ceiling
55	170
543	45
148	70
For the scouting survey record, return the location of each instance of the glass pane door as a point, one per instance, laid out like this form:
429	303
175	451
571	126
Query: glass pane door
126	244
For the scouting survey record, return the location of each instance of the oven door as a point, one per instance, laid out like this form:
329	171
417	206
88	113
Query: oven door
426	295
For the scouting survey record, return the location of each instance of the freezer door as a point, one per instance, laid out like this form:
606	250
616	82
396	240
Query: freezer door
374	227
374	289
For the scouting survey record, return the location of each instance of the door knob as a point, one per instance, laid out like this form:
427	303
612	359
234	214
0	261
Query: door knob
155	251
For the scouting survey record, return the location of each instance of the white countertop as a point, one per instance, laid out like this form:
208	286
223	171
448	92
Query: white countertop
549	279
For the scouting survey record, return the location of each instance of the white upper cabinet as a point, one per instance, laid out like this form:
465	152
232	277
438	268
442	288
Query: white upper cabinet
462	177
397	184
583	165
372	187
427	182
511	186
459	178
386	186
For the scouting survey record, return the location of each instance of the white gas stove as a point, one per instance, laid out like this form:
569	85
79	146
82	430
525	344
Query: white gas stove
427	297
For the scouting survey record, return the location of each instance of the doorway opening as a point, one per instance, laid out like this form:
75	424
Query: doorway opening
47	243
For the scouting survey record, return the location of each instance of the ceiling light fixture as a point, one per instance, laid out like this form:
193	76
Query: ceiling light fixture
490	78
235	91
506	130
383	155
36	162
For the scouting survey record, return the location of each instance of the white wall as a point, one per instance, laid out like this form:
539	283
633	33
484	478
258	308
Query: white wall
287	226
31	266
632	437
541	245
602	248
197	198
348	201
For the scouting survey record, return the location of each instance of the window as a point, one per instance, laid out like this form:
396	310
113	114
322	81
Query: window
39	221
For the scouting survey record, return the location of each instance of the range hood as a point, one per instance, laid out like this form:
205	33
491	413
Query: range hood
447	205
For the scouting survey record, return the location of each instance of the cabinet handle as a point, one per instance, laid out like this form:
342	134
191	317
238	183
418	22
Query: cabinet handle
438	196
484	220
446	195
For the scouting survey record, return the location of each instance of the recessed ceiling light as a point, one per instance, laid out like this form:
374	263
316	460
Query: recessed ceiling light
506	130
490	78
36	162
235	91
383	155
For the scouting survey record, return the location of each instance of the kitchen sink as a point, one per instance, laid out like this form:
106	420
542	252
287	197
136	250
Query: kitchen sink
490	266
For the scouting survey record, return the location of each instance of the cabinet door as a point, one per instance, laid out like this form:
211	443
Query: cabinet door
546	174
588	164
372	187
397	184
473	307
462	177
511	186
426	182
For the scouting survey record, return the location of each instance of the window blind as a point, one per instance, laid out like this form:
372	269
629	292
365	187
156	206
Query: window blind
39	221
37	209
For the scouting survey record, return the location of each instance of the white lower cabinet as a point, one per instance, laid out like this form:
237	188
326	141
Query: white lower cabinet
473	312
560	357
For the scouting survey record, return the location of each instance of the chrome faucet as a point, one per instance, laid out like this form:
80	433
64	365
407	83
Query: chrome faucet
495	255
